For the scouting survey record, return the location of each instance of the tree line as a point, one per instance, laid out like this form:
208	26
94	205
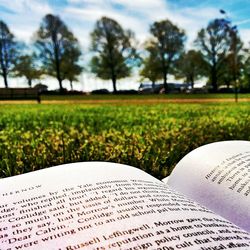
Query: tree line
218	54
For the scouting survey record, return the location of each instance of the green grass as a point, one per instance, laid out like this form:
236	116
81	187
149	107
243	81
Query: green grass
142	96
151	137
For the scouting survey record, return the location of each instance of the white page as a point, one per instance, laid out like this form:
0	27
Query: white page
217	176
105	206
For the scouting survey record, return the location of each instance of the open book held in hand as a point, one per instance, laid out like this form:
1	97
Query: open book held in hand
204	204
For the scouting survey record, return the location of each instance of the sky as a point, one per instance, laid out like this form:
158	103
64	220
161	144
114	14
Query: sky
23	18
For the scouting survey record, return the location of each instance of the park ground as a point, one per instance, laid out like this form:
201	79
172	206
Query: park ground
150	132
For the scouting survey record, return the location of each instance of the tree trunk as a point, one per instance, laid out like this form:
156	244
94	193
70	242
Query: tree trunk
58	70
5	79
30	83
165	83
58	75
114	84
113	78
60	83
192	81
3	67
71	84
153	86
214	78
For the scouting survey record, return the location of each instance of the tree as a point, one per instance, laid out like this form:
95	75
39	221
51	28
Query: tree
190	66
214	43
233	64
114	51
169	43
53	40
243	65
26	66
151	65
71	69
8	51
246	70
235	57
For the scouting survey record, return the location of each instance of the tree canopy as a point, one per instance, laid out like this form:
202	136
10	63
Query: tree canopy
214	44
190	66
71	68
168	41
151	65
53	41
26	66
8	51
114	52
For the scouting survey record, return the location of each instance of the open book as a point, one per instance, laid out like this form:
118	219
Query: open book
204	204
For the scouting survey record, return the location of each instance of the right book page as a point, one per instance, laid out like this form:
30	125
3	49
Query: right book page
217	176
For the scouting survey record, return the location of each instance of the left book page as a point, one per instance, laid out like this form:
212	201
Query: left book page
101	205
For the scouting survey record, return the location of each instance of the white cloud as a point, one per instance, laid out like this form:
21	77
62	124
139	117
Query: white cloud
15	5
29	7
87	14
137	15
245	36
91	14
201	13
243	21
141	5
27	17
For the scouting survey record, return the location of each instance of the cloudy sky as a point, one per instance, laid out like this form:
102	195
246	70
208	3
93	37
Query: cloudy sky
24	16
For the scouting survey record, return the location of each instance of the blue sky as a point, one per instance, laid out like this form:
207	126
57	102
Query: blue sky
24	16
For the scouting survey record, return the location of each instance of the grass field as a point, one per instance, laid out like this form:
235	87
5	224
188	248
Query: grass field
151	137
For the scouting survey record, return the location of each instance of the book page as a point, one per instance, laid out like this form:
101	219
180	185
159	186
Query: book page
217	176
106	206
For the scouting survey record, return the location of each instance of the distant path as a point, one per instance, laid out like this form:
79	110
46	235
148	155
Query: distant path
130	101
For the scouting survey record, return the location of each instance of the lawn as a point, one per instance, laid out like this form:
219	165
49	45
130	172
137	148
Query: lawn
151	137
